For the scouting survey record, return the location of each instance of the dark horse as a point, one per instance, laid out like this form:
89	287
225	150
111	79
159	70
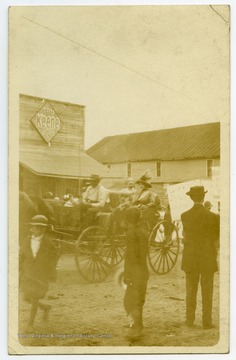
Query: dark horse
29	206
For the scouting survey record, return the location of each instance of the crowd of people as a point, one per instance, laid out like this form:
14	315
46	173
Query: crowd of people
138	204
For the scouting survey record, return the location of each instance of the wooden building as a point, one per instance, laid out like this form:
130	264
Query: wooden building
51	143
173	155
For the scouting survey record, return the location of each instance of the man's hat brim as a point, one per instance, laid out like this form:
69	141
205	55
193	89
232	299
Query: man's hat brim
94	177
38	224
191	192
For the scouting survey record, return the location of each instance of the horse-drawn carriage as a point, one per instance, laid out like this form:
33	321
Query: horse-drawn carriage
98	250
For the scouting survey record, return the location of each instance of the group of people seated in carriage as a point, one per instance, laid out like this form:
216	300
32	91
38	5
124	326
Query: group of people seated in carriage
140	196
97	199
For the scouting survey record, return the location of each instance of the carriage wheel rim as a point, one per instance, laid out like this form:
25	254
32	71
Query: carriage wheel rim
96	269
161	255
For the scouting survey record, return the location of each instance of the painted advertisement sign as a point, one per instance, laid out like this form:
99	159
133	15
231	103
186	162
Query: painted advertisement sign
47	122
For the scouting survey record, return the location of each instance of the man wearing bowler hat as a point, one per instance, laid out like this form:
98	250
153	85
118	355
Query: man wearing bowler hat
38	258
201	243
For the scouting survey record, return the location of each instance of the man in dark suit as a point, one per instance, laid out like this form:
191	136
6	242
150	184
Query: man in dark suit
201	243
38	258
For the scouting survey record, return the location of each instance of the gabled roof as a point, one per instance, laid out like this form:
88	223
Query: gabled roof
188	142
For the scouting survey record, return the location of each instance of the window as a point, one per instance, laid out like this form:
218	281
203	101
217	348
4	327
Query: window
158	168
129	171
209	168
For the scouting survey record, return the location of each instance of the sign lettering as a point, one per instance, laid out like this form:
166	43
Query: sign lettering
47	122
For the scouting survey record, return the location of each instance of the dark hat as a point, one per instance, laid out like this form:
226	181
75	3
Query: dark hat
39	220
144	181
196	190
95	177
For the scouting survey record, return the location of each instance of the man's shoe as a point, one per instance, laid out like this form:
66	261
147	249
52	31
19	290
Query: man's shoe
46	312
134	333
188	324
131	326
29	329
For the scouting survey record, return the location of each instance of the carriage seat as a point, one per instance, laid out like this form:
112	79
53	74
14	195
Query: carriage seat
103	218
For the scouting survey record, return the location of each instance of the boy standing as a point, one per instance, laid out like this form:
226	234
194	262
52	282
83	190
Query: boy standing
38	258
135	270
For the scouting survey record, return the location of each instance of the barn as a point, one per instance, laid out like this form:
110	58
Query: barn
173	155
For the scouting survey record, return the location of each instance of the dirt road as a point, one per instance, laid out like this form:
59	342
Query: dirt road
93	315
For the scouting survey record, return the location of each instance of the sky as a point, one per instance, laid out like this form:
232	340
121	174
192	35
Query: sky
134	68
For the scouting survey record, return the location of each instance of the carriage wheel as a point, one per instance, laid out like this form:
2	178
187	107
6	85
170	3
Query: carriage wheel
91	256
163	247
114	251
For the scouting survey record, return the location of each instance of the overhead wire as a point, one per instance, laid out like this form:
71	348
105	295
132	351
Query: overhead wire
104	56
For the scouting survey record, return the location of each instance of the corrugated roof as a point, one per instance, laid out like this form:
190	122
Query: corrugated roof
71	166
188	142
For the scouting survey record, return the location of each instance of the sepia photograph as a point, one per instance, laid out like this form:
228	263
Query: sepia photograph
119	131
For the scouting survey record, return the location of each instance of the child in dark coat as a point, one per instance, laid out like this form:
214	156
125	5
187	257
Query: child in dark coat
135	270
38	258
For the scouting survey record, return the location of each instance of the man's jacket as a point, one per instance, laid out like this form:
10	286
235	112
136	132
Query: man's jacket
201	239
42	266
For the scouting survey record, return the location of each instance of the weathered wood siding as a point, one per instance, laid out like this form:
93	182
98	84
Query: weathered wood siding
70	137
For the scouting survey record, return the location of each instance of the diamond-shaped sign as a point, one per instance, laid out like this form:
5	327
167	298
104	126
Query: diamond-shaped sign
47	122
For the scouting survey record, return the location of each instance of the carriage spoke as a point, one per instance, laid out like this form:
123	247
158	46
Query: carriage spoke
88	264
114	256
156	246
104	266
93	266
103	261
118	249
98	269
87	257
155	254
94	272
173	257
173	249
172	261
160	263
116	252
158	257
167	262
106	255
88	267
163	266
162	255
